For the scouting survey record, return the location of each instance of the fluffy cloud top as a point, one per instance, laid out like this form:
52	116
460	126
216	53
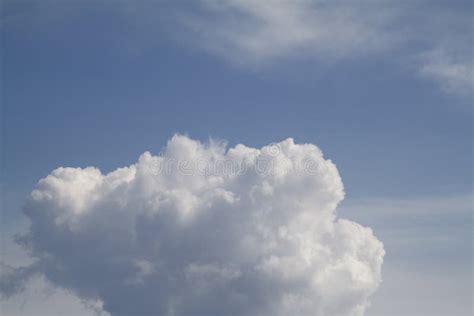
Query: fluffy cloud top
205	230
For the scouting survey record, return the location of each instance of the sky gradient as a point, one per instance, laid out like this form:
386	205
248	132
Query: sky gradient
384	90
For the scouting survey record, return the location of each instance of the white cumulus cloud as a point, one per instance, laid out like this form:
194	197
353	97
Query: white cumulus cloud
202	229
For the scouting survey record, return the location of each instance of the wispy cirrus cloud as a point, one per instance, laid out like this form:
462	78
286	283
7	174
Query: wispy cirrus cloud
433	39
259	31
454	74
264	32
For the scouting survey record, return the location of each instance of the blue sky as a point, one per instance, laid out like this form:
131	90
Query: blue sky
91	83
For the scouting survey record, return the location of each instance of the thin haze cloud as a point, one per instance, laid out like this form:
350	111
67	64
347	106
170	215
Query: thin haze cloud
432	40
253	33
